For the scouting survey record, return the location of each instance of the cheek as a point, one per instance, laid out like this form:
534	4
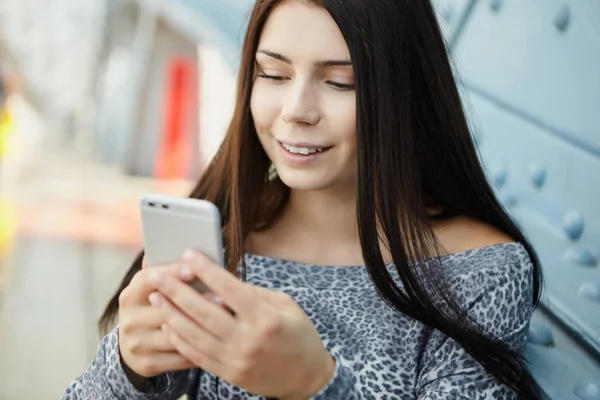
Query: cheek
344	119
264	107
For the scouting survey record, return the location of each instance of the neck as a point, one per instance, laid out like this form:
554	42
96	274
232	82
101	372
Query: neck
317	228
324	215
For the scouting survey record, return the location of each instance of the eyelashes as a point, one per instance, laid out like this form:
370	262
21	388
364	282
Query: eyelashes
341	85
276	78
271	77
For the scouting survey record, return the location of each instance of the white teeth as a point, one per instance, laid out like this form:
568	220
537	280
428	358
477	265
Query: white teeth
302	150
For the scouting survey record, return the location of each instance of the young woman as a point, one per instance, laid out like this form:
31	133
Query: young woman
375	260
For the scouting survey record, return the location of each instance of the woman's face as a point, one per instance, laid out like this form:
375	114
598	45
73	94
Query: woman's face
303	100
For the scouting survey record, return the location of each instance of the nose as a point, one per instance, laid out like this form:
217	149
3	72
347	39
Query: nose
301	106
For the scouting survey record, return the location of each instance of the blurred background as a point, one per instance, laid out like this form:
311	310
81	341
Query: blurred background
104	100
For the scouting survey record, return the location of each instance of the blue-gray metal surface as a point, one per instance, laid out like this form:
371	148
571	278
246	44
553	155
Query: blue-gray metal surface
530	74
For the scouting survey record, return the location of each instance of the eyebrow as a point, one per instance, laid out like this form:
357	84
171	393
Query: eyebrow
321	64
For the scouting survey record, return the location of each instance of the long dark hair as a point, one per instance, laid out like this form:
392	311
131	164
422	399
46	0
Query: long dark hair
414	150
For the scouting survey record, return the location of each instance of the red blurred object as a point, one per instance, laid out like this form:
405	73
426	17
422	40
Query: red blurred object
181	101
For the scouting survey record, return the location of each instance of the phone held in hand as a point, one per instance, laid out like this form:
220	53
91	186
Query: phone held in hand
172	225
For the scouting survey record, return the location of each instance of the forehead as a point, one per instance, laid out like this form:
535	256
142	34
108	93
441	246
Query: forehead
303	32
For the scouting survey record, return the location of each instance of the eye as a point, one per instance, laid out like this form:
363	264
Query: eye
341	86
271	77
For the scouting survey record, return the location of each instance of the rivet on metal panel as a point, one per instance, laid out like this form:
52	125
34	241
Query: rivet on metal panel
563	19
588	390
582	257
540	334
499	176
573	223
496	5
590	290
538	175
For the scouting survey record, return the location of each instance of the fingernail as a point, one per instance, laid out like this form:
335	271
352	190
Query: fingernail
189	255
164	328
185	272
217	300
154	299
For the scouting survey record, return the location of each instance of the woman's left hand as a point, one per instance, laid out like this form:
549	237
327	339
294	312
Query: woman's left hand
268	347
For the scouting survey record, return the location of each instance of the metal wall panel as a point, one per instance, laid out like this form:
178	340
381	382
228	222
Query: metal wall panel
530	76
541	57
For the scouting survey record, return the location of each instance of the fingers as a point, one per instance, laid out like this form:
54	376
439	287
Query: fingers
181	299
194	334
144	283
157	341
197	357
238	295
139	318
148	342
161	362
213	317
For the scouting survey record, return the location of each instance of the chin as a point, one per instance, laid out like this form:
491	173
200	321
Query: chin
303	180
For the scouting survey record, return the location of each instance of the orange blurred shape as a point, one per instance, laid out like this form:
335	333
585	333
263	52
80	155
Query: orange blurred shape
174	154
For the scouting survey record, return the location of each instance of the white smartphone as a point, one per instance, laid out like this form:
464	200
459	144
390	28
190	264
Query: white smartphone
172	225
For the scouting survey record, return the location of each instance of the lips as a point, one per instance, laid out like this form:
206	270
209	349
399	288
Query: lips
304	149
302	155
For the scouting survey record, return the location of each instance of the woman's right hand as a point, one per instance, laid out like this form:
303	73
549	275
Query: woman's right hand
145	349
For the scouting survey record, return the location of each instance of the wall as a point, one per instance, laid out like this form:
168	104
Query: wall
530	75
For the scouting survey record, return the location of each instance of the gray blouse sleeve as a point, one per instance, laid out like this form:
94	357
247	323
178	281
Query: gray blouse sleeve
105	379
503	306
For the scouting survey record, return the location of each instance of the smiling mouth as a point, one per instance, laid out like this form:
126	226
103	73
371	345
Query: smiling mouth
304	150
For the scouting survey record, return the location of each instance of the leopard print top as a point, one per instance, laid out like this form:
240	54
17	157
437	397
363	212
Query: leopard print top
380	353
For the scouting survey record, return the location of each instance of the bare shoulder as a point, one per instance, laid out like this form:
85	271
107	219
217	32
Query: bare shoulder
465	233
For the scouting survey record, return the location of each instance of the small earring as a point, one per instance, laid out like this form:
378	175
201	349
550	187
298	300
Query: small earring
272	172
